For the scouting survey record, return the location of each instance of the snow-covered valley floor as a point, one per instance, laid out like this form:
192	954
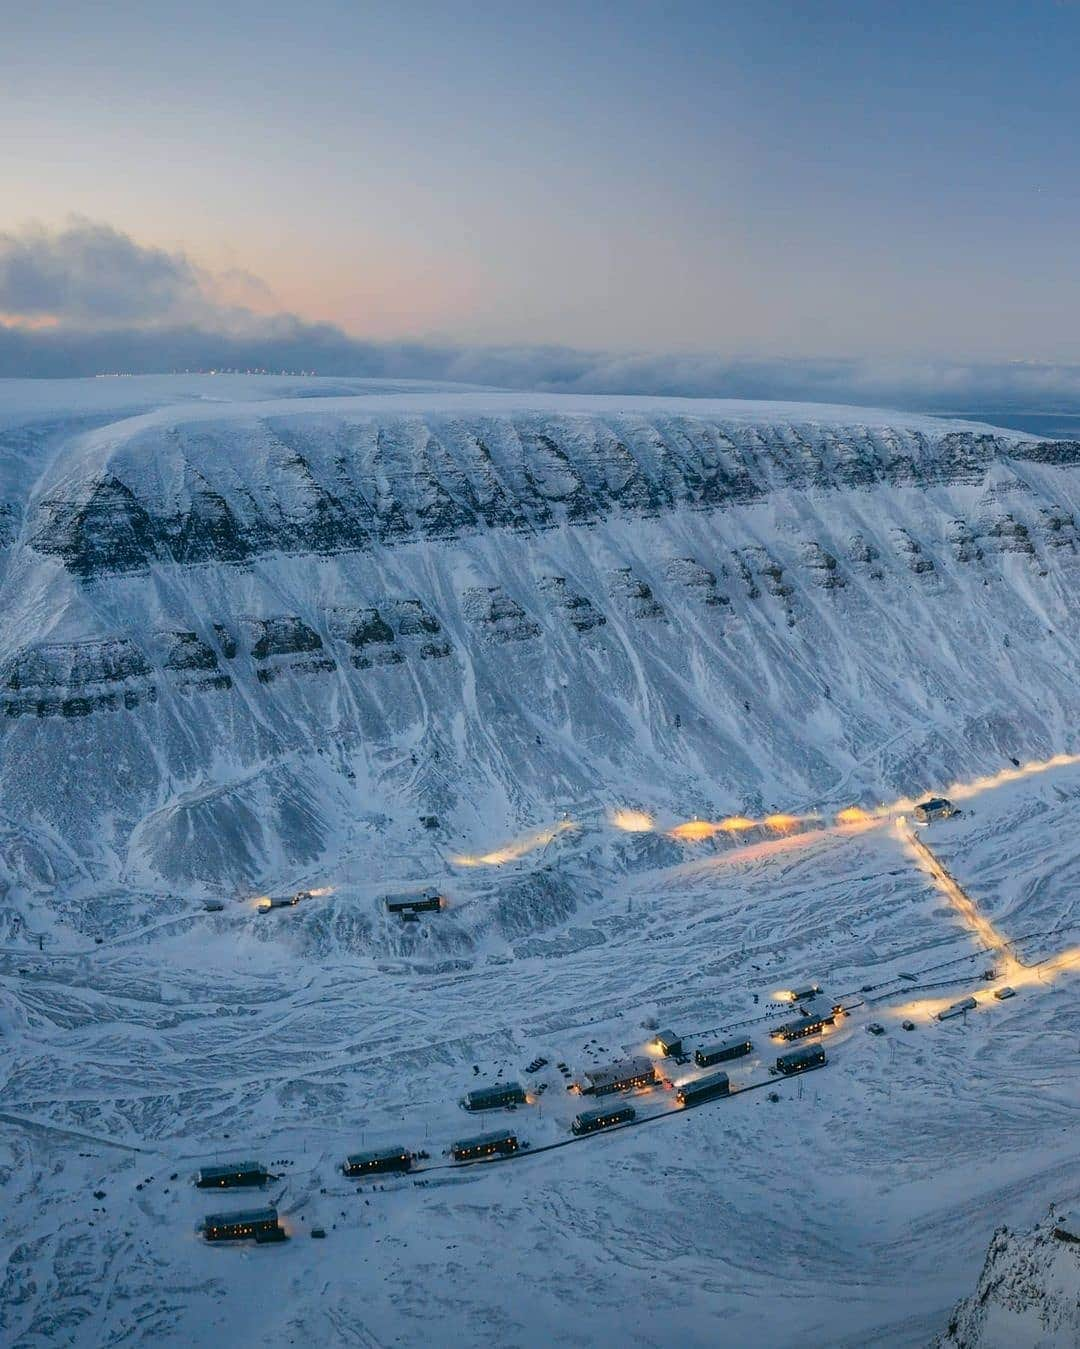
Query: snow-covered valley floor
852	1211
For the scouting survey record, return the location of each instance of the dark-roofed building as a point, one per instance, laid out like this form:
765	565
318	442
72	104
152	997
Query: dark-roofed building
259	1223
635	1072
420	901
803	1026
936	808
484	1145
799	1060
492	1098
231	1174
707	1055
378	1162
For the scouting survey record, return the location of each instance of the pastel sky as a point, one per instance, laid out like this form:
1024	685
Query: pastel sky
801	179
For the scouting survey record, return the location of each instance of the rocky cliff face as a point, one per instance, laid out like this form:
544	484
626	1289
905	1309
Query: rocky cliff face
391	481
234	635
1028	1295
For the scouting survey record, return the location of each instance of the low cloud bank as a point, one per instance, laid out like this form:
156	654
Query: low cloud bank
286	343
88	299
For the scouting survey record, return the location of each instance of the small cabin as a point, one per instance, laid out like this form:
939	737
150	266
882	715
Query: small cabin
425	901
1004	992
668	1043
635	1072
378	1163
231	1175
260	1224
494	1098
707	1055
935	808
484	1145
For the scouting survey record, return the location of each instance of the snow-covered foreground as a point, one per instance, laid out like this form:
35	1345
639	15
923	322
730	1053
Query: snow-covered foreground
854	1210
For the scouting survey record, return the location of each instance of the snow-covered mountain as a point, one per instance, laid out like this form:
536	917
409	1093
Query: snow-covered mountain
247	633
1028	1292
270	633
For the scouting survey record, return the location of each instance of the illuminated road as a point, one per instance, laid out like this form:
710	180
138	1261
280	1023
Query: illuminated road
783	832
634	820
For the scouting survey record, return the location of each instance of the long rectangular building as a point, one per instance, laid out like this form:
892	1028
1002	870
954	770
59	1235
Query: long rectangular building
378	1162
803	1026
707	1055
635	1072
801	1059
704	1088
491	1098
260	1223
484	1145
229	1175
603	1117
422	901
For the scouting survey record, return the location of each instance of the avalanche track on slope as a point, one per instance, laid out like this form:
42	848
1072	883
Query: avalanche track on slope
246	635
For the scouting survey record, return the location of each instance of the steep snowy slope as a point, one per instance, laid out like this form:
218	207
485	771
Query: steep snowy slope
244	637
1028	1293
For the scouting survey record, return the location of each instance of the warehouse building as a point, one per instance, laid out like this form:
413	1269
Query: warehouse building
635	1072
229	1175
493	1098
259	1223
359	1164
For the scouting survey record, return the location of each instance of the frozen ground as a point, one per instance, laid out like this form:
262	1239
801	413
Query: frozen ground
258	635
854	1210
